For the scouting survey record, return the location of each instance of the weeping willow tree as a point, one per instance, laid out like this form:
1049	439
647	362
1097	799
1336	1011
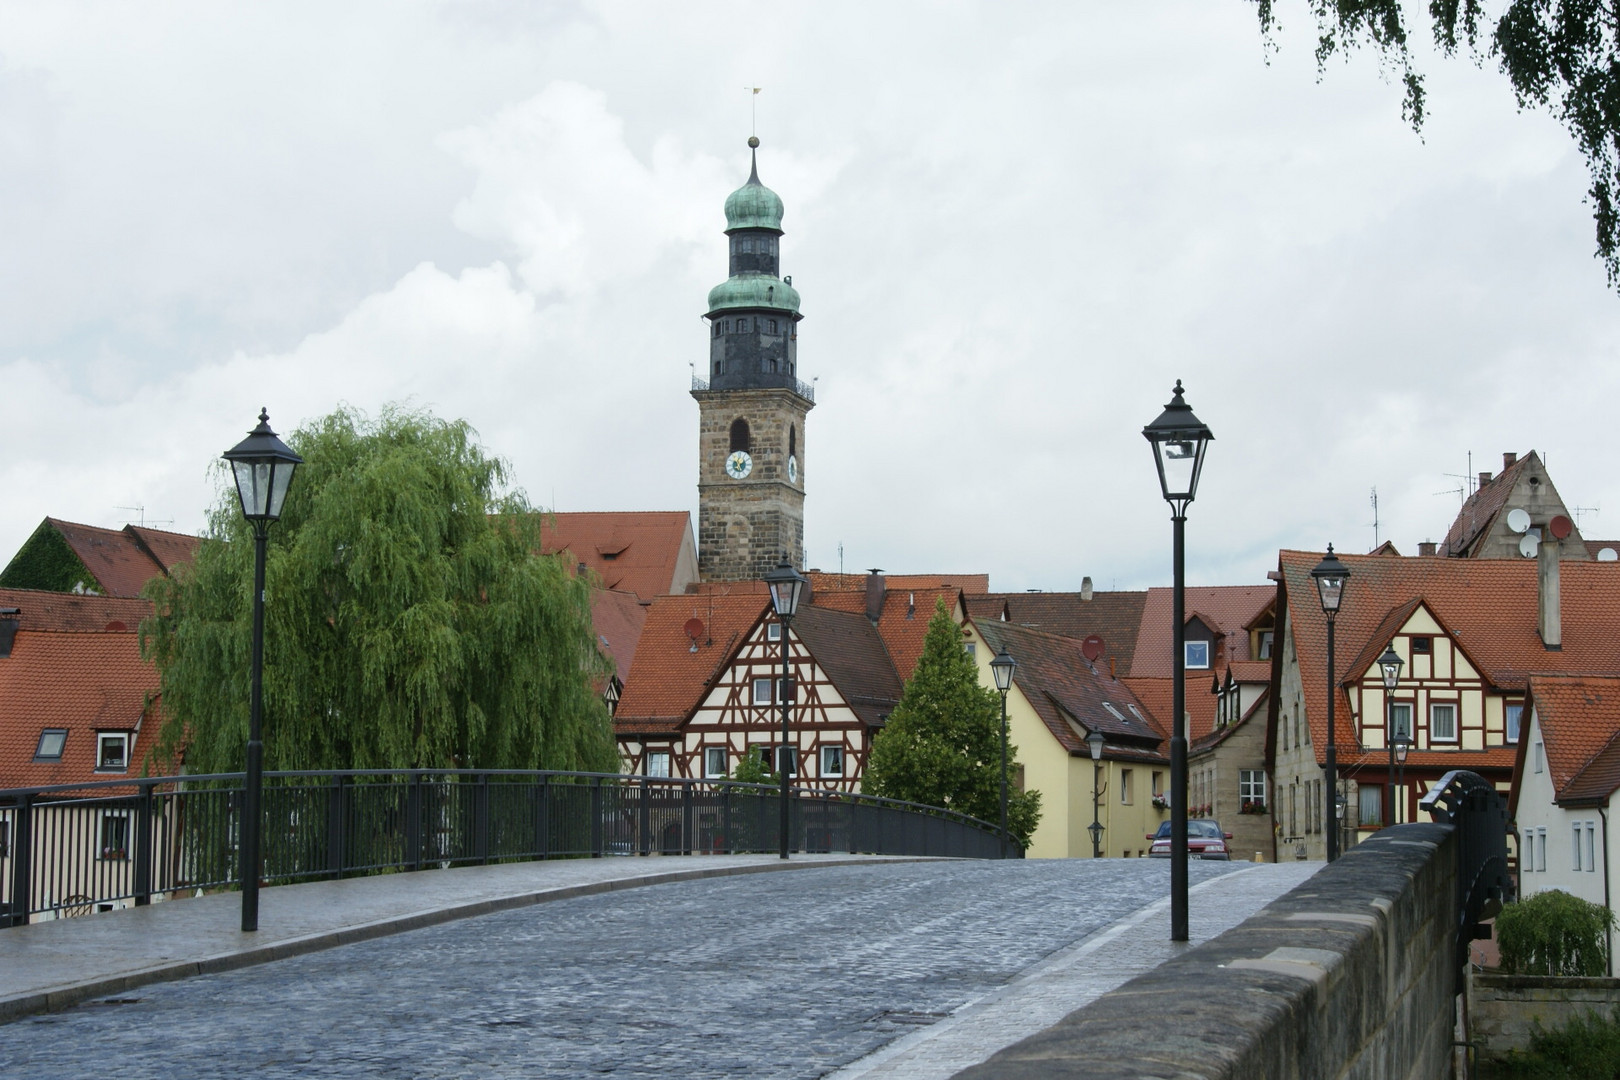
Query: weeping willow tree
409	621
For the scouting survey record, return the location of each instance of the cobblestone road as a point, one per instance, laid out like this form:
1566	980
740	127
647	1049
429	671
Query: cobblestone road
769	975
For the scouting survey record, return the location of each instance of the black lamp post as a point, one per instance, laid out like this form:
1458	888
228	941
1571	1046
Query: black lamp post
1002	667
263	467
1403	743
1330	575
787	588
1390	666
1094	742
1179	440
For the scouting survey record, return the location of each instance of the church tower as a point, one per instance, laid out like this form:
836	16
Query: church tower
752	408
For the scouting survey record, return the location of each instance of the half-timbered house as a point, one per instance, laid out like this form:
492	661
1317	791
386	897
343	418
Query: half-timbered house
1469	632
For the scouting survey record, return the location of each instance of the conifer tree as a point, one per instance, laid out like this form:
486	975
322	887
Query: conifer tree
942	744
409	622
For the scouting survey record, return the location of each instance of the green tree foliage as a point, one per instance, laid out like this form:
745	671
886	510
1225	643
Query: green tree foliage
1561	55
409	620
1587	1048
1554	933
46	561
942	744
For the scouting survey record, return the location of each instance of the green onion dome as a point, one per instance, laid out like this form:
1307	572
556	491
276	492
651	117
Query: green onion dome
754	206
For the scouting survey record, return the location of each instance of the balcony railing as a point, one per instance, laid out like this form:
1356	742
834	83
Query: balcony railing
70	850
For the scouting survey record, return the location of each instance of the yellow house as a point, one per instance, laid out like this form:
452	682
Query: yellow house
1057	700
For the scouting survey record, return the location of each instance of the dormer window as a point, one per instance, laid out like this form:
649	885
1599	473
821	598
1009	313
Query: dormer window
51	741
112	751
1197	654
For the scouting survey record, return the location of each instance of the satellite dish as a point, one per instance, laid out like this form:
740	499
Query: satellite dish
1518	520
1529	544
1608	555
1092	647
1560	527
693	628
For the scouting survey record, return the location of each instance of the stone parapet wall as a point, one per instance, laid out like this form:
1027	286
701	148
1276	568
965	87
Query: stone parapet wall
1352	975
1504	1010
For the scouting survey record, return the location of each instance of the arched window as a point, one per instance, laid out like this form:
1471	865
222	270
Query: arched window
793	440
772	326
748	246
742	326
739	435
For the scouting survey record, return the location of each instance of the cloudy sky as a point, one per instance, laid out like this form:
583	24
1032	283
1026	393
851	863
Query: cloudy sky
1013	225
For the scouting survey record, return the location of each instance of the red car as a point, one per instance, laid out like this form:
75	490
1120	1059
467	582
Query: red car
1205	840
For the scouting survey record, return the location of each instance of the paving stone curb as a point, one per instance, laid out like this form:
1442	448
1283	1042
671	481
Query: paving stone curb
64	996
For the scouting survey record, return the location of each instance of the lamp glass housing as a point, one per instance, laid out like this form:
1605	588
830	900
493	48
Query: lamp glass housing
263	467
1402	744
1330	575
1002	667
787	589
1095	742
1179	439
1390	664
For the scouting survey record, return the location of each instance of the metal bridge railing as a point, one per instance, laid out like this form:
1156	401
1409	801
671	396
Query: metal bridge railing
72	849
1468	802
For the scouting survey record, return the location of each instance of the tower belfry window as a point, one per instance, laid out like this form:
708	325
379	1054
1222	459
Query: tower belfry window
793	440
748	246
739	435
771	326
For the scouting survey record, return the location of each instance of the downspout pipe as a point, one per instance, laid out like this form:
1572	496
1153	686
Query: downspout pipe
1603	812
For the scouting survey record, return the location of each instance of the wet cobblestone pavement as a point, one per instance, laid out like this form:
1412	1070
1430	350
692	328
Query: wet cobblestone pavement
768	975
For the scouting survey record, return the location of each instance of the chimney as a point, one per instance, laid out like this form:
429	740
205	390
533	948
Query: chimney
874	595
10	617
1508	459
1547	617
1085	588
1426	547
1484	479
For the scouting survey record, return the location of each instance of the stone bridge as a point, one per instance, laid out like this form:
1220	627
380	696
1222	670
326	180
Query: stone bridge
712	966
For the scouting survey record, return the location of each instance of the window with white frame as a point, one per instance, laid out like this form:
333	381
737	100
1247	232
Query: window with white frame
112	751
1370	799
1443	721
1541	850
1252	790
1197	653
714	761
1591	847
1400	719
1125	786
1513	714
773	631
1527	851
114	834
790	759
1575	862
832	761
971	648
1539	759
657	763
763	694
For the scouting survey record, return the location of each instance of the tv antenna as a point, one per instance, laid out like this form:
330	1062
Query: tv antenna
1581	511
140	510
1375	516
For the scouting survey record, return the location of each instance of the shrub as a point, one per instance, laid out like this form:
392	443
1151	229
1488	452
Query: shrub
1554	933
1588	1048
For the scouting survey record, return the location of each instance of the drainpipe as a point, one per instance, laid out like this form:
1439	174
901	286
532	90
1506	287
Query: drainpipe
1603	812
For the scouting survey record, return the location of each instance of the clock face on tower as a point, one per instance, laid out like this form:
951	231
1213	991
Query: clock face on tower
739	465
793	470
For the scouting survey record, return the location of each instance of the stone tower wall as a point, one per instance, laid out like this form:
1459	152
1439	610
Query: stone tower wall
746	526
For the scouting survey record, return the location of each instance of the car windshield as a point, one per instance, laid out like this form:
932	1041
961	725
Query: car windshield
1204	828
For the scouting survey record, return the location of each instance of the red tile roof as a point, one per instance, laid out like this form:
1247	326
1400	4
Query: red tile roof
638	552
71	611
1060	683
903	623
124	560
826	583
1473	522
1226	609
1579	722
1155	695
83	682
617	618
1489	604
1116	617
669	677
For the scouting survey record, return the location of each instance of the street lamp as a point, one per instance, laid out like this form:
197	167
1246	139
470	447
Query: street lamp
1403	743
787	588
263	467
1094	742
1390	666
1330	575
1178	439
1002	667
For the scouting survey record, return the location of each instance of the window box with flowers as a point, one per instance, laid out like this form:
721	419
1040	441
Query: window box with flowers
1253	806
1160	802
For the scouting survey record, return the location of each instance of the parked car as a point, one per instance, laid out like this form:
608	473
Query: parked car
1205	840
